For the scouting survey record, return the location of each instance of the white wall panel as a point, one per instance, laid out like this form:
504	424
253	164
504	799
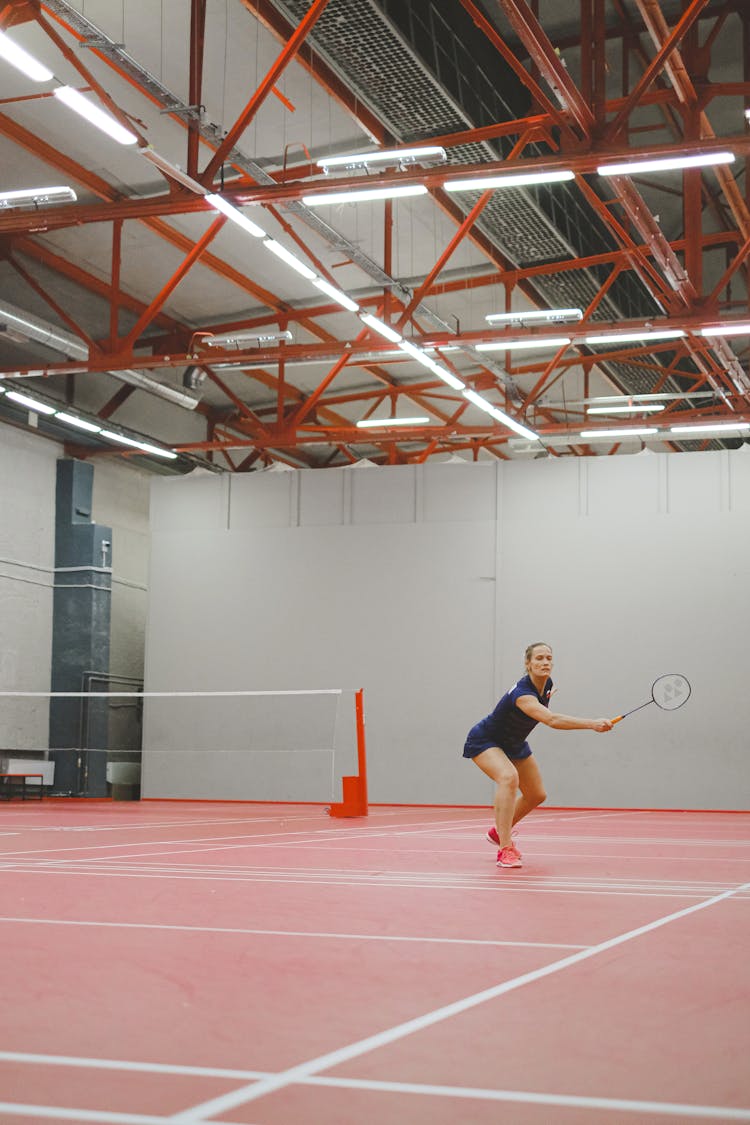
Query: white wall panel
431	615
383	496
263	500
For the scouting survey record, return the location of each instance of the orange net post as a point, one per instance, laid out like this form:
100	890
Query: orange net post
355	786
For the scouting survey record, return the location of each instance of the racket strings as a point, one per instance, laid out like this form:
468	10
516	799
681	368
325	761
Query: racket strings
670	692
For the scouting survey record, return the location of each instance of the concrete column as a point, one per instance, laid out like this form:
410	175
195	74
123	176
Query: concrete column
78	735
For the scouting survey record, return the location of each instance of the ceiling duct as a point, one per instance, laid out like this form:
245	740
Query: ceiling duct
25	326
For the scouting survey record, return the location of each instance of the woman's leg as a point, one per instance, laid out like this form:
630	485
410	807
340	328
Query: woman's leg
531	785
499	767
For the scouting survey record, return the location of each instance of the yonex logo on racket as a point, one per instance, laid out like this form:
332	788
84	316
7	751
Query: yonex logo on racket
668	692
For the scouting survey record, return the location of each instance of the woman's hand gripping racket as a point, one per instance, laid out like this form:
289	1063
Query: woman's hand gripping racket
668	692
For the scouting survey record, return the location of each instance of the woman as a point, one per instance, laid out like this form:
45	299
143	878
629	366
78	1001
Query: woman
498	746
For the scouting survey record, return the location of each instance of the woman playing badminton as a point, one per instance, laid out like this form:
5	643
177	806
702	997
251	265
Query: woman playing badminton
498	746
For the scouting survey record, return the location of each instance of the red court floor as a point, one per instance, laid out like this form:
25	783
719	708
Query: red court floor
260	964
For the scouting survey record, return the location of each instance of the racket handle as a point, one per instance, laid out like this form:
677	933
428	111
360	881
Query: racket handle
618	719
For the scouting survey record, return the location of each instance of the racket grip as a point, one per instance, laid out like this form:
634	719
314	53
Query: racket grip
618	719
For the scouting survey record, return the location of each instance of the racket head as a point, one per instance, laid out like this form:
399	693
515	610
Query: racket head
670	691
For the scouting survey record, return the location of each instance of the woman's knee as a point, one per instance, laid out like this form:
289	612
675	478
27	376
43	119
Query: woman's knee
507	779
537	796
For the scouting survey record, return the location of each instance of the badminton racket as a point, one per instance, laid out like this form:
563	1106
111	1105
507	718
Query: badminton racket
668	692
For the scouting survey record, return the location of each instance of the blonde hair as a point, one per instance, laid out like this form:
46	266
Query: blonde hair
530	650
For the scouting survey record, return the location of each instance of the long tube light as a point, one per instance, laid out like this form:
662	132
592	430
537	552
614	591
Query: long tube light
384	329
499	415
34	197
143	446
172	170
432	154
531	316
665	164
384	423
220	204
632	408
95	115
363	195
727	329
529	344
634	337
37	407
510	180
78	423
709	427
442	372
31	403
22	60
336	294
290	258
640	431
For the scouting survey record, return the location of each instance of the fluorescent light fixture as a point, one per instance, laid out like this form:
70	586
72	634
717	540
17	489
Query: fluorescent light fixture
79	423
227	339
632	408
727	329
529	344
290	258
235	215
363	195
641	431
665	164
380	423
634	337
336	294
532	316
499	415
22	60
95	115
30	403
142	446
510	180
401	157
709	427
172	171
35	197
442	372
384	329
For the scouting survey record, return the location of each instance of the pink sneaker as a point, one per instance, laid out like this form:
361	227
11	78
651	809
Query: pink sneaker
509	857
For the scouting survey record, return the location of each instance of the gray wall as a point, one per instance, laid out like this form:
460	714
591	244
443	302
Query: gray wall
423	585
27	549
27	555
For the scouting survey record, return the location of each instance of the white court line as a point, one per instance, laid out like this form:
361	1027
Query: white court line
594	882
490	885
670	1109
293	933
225	1102
97	1116
627	1105
249	838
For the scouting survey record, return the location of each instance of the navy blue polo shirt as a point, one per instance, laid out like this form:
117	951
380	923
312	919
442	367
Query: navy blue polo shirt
507	726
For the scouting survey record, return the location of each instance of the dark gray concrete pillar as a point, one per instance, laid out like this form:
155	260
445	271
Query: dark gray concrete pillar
78	731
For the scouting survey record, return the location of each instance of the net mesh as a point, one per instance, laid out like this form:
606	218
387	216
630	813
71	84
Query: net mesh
220	745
